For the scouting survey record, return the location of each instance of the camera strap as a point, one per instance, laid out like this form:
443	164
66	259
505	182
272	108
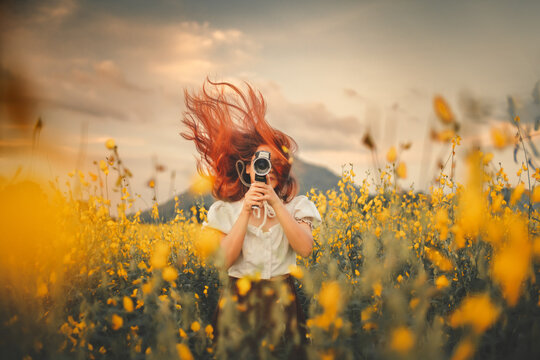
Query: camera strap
241	172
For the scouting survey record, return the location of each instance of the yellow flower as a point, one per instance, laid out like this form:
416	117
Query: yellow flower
402	339
128	304
441	223
109	144
536	194
464	350
443	110
195	326
327	354
104	167
500	139
391	155
477	311
487	158
472	202
208	242
536	247
244	284
183	352
329	295
209	330
201	184
438	259
377	288
182	333
42	290
445	135
441	282
402	171
330	299
169	274
510	266
516	194
147	288
117	322
296	271
160	255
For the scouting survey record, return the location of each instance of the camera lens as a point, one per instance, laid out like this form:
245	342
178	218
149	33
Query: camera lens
261	163
261	166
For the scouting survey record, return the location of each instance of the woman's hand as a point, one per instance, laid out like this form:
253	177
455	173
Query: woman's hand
253	197
268	193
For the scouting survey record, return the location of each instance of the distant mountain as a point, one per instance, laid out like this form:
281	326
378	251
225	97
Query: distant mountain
309	176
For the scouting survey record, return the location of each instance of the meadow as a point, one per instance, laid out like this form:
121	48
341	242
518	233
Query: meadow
449	274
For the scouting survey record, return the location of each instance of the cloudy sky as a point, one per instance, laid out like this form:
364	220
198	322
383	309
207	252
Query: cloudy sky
330	71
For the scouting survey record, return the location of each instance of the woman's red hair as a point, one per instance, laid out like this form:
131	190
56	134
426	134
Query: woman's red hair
228	125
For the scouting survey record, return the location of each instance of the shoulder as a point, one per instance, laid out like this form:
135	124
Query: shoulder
221	205
221	215
299	201
218	204
303	208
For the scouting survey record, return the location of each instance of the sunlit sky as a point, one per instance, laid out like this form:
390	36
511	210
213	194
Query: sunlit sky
329	70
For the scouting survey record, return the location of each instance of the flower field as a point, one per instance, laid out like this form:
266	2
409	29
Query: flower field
450	274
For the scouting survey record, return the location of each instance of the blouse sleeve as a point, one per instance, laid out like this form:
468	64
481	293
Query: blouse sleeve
219	217
306	209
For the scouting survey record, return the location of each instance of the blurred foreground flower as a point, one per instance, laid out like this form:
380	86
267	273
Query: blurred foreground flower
244	284
104	167
208	242
160	255
330	297
128	304
391	155
183	352
109	144
201	185
402	170
442	282
443	136
442	110
438	259
296	271
464	350
169	274
477	311
402	339
510	267
501	138
117	322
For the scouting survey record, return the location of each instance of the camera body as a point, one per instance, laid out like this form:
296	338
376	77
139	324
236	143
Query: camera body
261	165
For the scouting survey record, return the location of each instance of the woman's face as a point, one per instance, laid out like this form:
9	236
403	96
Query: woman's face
271	176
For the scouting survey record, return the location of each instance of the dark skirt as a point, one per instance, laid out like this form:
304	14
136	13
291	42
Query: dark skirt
266	321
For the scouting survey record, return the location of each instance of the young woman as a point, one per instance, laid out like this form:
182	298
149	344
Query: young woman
263	225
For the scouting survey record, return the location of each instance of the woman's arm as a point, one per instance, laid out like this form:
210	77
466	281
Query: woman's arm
233	241
299	234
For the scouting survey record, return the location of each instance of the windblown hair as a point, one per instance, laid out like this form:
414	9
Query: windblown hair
228	125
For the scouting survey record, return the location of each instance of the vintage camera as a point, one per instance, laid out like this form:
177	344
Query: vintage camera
261	165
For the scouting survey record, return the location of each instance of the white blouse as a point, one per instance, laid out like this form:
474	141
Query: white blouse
266	252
